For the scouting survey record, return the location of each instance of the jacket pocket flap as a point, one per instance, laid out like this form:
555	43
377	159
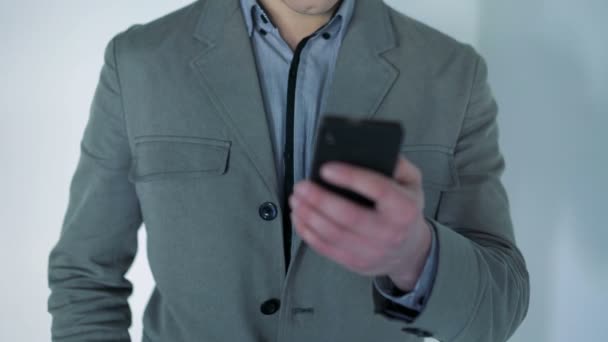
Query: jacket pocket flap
157	157
436	164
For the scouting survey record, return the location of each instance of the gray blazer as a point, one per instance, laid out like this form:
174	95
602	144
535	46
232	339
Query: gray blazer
177	139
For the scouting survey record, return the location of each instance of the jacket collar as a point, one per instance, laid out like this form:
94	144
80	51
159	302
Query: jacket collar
252	9
369	19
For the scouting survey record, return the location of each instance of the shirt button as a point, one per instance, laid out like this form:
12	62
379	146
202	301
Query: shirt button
326	35
268	211
263	32
270	306
264	19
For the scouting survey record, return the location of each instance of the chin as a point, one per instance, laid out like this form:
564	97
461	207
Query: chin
311	7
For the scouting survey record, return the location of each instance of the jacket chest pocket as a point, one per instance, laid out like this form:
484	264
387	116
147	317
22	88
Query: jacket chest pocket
438	172
158	157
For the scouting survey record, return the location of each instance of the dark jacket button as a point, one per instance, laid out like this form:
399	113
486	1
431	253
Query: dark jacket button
270	306
268	211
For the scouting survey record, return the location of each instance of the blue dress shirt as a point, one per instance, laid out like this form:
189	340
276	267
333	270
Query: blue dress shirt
315	72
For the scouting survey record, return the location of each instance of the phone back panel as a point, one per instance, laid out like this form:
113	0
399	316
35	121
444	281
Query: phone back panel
369	143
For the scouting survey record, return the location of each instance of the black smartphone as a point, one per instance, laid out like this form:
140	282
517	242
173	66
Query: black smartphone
369	143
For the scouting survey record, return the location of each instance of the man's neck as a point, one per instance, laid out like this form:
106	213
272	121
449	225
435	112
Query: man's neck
294	26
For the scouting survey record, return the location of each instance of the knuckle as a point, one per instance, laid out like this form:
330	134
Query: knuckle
329	230
315	195
394	239
400	237
359	263
343	257
383	190
349	216
407	213
383	254
357	217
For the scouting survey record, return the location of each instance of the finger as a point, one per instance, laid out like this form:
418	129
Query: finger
368	224
397	203
341	210
319	242
369	244
332	231
367	182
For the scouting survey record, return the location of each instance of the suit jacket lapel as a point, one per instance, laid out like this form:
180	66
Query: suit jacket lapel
362	76
228	73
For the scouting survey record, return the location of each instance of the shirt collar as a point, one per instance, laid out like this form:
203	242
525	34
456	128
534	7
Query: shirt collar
255	16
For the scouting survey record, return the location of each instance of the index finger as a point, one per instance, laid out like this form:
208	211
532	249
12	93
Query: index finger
367	182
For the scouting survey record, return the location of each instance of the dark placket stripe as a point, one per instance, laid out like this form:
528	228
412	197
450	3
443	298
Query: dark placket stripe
288	151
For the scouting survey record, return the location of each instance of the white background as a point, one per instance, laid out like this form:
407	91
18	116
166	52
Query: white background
548	68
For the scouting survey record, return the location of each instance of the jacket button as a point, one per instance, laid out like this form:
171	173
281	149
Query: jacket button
268	211
270	306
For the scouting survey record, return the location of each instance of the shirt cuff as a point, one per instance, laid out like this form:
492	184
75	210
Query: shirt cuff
415	299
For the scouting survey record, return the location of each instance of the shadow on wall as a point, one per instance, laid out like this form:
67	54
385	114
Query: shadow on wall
549	73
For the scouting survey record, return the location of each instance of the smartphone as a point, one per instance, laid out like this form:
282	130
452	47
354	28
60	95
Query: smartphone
368	143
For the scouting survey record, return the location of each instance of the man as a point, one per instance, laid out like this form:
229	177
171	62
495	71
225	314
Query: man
202	127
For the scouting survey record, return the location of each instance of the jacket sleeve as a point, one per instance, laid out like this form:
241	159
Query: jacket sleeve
415	299
98	241
481	289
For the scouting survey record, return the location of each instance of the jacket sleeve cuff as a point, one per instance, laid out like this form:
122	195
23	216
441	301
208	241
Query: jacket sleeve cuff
415	299
456	269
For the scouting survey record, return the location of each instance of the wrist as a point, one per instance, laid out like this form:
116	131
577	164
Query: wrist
406	277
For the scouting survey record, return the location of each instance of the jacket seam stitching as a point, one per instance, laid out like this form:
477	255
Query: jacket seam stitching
120	87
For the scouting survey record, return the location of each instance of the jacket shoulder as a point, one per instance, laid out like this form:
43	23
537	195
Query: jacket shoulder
434	47
159	32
